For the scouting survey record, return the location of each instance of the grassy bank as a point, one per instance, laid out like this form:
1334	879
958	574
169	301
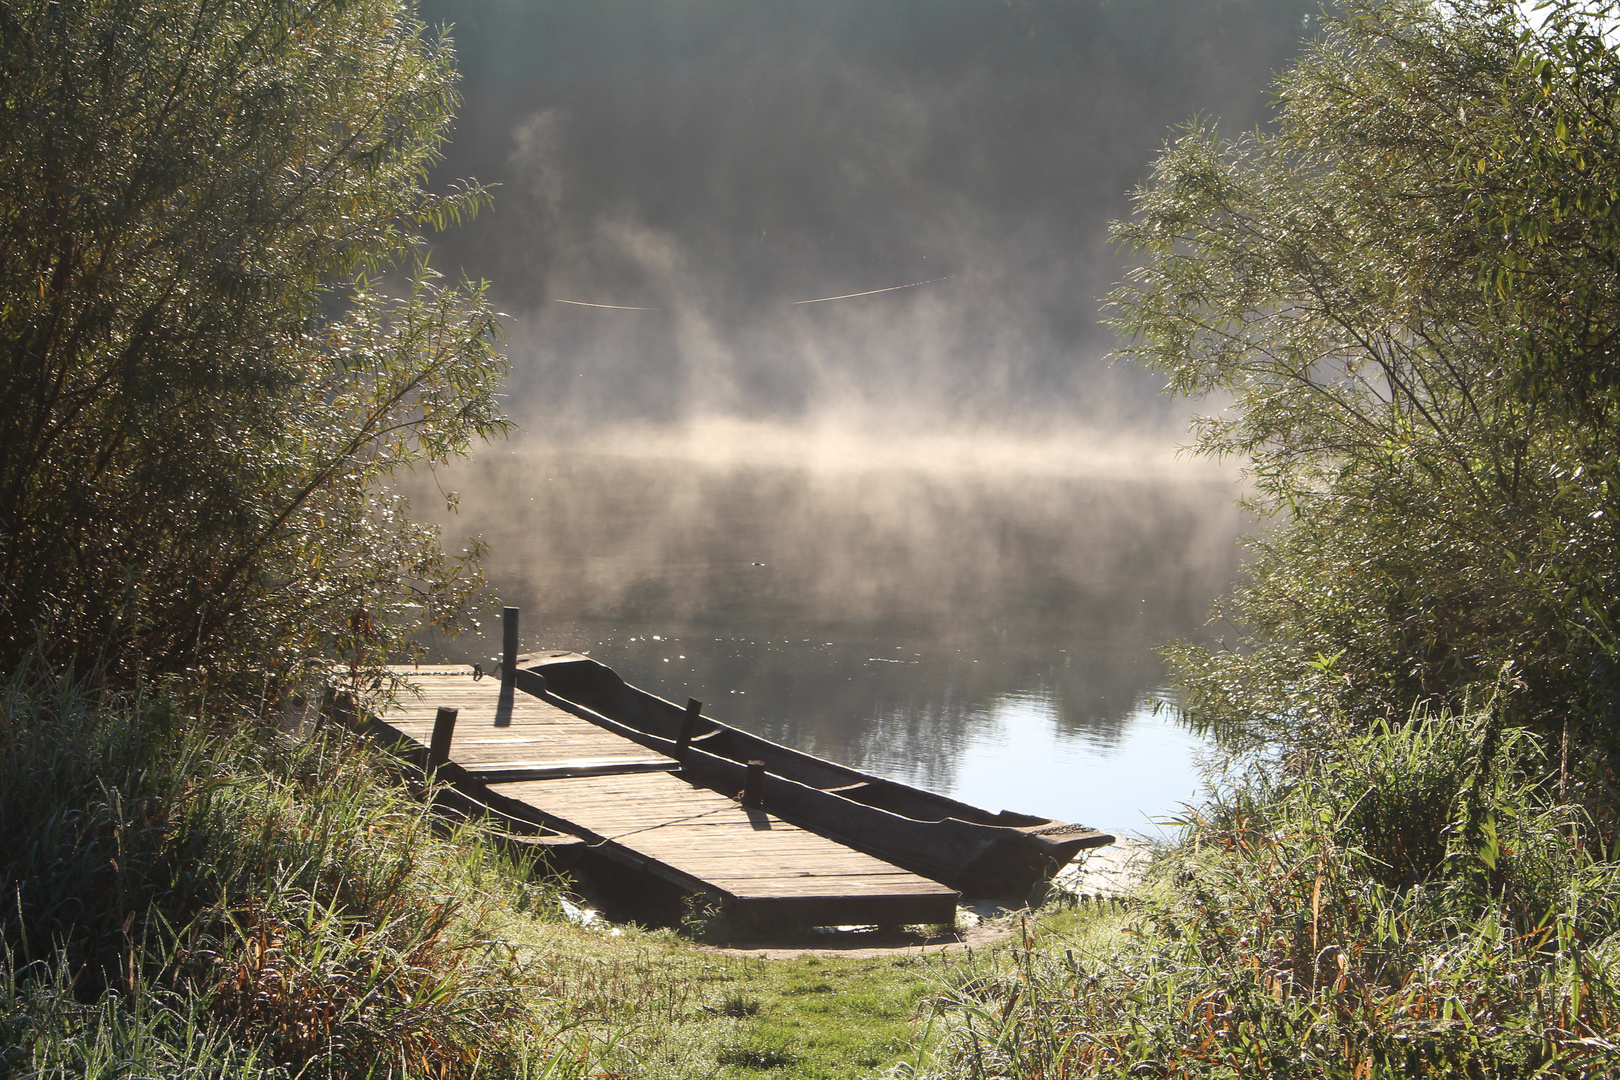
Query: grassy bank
194	891
659	1006
1419	903
191	891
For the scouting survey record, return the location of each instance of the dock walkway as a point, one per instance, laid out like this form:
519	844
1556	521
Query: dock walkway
536	761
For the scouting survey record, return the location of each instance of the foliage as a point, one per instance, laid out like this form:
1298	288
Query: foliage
207	385
1411	907
242	899
1406	294
45	1033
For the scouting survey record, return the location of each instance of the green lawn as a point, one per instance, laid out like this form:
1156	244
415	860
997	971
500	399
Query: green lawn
655	1005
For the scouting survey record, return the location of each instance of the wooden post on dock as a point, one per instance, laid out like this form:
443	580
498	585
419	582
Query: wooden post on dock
754	785
444	725
509	644
688	725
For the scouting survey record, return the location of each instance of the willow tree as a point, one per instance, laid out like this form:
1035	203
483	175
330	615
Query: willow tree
203	391
1404	296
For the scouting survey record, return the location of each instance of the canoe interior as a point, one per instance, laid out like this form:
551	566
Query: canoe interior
968	848
536	764
599	688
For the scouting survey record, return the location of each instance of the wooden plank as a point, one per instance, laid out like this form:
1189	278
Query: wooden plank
779	860
799	857
759	862
796	861
747	888
621	796
506	771
766	913
755	888
561	751
512	732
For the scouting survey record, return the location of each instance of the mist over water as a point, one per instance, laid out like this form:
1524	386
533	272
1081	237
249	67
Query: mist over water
925	529
988	631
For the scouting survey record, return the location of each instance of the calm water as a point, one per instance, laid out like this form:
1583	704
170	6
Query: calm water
987	633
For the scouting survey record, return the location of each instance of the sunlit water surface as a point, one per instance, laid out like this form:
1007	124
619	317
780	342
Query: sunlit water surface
989	633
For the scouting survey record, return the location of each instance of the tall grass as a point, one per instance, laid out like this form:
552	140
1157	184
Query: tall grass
1419	905
186	894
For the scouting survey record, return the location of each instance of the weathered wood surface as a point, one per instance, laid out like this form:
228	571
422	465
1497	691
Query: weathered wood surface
964	846
540	762
511	734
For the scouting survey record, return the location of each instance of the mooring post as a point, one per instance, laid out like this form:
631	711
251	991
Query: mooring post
688	725
754	786
444	725
509	643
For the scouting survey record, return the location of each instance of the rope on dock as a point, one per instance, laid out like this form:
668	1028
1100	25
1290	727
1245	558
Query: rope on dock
661	824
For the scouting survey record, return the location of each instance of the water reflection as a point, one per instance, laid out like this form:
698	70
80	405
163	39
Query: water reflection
989	634
1127	777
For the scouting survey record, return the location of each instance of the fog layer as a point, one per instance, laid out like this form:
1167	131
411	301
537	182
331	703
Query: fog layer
877	615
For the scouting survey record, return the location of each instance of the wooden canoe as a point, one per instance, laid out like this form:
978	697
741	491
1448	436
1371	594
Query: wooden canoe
978	853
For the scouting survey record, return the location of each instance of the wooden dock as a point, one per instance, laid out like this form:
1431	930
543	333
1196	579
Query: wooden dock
534	761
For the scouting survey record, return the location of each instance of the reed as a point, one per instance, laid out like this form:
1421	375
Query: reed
201	897
1420	904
